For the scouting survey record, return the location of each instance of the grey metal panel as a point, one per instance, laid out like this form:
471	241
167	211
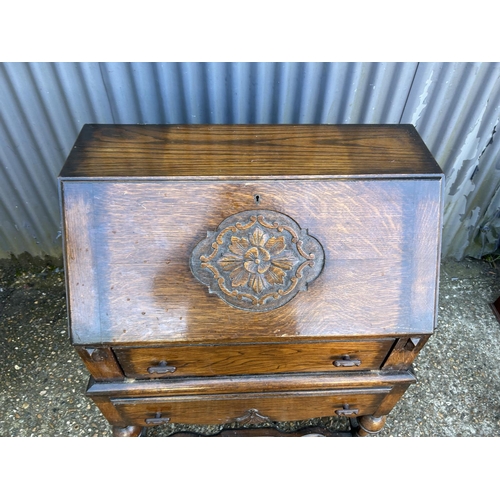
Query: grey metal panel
44	105
42	108
257	92
455	107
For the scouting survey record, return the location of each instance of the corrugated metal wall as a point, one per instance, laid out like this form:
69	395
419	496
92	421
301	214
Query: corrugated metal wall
456	109
454	106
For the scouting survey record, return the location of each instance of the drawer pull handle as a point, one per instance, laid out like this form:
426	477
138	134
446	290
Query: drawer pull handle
347	361
346	411
158	419
161	367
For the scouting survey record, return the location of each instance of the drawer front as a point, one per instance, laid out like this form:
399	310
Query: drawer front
250	408
208	360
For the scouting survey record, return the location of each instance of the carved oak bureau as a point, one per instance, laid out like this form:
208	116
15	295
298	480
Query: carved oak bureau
250	273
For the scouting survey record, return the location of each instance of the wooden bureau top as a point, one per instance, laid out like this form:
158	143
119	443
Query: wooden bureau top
248	152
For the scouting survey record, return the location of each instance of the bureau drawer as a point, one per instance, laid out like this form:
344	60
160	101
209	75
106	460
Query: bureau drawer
243	359
250	408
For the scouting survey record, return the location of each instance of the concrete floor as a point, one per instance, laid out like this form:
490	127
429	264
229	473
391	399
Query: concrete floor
42	379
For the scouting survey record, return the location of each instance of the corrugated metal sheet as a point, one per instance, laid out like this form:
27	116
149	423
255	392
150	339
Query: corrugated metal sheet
455	107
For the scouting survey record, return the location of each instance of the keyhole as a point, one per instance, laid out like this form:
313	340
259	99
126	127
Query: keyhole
257	199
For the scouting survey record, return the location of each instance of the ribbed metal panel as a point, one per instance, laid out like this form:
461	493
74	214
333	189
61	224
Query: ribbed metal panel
455	107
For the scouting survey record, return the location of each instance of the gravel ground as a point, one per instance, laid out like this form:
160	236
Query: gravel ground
42	380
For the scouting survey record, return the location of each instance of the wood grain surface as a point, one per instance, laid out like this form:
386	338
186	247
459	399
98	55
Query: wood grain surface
248	151
300	405
136	201
101	363
211	360
404	352
248	399
82	287
129	245
251	383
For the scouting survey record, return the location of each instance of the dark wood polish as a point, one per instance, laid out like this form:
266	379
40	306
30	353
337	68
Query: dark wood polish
370	425
101	363
495	307
314	431
250	273
360	381
129	431
134	261
252	358
242	151
288	406
405	351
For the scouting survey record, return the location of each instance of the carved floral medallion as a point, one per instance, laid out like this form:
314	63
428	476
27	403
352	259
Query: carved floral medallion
257	260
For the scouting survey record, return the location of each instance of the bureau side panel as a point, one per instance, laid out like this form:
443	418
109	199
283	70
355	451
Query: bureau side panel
424	257
81	272
379	239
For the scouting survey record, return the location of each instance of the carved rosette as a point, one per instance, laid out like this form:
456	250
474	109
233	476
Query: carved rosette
257	260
